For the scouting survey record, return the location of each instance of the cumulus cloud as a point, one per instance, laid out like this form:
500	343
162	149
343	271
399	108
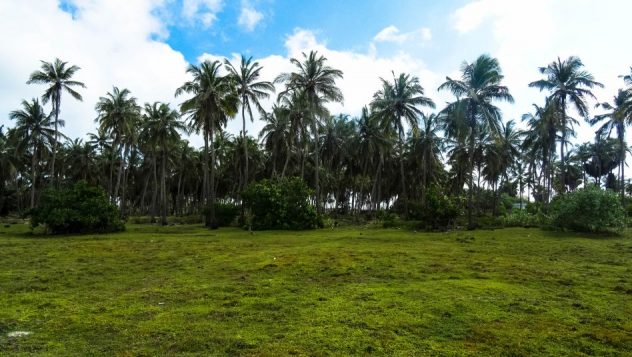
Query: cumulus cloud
110	40
393	34
203	12
530	34
249	17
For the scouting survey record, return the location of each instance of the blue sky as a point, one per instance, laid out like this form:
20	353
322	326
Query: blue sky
146	45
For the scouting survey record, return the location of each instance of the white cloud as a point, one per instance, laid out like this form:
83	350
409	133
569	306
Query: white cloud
249	17
393	34
530	34
109	40
201	11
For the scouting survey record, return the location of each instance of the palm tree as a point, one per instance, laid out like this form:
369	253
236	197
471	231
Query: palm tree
276	138
396	102
251	90
118	115
567	82
479	86
430	146
617	117
214	100
33	132
58	75
314	79
162	126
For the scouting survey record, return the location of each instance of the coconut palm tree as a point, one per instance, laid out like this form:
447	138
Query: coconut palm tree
162	125
34	132
58	76
276	138
397	104
214	99
479	86
118	116
316	81
567	83
251	91
617	118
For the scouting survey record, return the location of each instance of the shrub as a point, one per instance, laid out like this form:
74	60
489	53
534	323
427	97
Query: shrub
79	209
281	204
225	213
587	210
439	211
522	218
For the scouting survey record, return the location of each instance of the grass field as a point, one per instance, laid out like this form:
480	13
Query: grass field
187	290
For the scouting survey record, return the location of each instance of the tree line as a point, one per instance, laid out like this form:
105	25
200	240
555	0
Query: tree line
395	152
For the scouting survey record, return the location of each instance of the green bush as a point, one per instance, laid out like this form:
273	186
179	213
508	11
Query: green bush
225	213
281	204
522	218
439	211
587	210
79	209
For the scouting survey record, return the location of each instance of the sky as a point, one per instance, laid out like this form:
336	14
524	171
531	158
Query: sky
146	45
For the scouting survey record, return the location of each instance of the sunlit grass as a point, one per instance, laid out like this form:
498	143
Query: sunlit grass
184	289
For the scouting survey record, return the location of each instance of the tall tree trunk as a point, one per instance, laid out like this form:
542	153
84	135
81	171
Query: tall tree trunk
562	144
622	181
33	177
211	203
470	203
205	191
374	195
317	165
154	195
55	137
120	172
287	160
404	197
163	188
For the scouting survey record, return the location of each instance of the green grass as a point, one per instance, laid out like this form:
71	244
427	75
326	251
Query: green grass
187	290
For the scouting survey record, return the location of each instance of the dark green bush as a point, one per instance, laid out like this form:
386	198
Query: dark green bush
587	210
439	211
225	213
79	209
281	204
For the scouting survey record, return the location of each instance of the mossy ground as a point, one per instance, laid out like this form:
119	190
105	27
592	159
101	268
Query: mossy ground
350	291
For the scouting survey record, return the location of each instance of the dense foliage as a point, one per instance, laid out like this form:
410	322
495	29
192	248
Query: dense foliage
282	204
397	154
78	209
587	210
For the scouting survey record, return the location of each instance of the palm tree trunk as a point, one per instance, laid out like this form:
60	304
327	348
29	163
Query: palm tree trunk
404	197
211	203
287	160
205	191
33	177
470	220
163	188
622	164
317	165
120	172
562	144
154	195
374	195
55	137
